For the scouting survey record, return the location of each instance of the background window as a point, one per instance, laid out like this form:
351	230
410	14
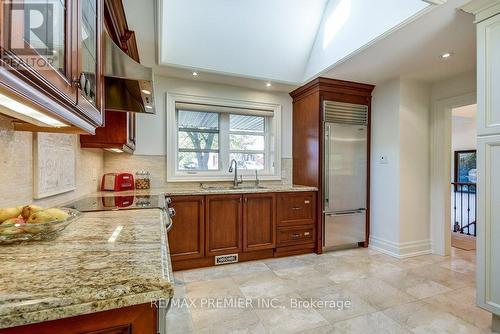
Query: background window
247	141
204	134
198	140
465	166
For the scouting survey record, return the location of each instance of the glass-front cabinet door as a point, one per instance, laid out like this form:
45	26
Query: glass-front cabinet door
90	82
36	38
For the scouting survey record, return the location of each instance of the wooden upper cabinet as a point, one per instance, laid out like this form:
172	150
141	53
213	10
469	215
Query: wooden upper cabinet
118	131
259	221
44	51
90	57
223	226
186	239
52	59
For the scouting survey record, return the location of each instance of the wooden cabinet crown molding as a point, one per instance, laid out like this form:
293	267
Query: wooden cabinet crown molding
332	85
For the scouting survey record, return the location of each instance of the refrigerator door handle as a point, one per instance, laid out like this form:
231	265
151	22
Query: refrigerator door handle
346	213
326	171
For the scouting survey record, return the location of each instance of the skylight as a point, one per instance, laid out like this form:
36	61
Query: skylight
287	41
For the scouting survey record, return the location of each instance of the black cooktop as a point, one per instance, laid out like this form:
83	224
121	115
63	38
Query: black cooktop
109	203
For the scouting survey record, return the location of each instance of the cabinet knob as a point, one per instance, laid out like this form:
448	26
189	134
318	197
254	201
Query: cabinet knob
80	81
171	212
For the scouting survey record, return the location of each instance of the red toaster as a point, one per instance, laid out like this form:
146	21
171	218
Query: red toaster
117	182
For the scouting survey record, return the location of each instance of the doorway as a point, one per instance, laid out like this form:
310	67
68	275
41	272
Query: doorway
442	171
463	177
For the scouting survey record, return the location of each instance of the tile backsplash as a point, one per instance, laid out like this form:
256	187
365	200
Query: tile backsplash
16	169
155	164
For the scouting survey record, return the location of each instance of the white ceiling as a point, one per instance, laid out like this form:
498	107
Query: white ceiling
414	50
287	41
251	38
411	49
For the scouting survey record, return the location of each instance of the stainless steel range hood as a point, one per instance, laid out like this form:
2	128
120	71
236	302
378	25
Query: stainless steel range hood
128	84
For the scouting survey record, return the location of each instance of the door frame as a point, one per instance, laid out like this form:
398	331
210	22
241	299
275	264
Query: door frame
440	184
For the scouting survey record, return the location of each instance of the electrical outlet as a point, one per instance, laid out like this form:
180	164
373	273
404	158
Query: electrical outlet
383	160
94	174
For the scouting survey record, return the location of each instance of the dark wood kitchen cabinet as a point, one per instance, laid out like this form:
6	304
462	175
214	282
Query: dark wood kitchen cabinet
308	108
186	239
223	230
296	216
119	130
254	226
259	221
57	69
296	208
136	319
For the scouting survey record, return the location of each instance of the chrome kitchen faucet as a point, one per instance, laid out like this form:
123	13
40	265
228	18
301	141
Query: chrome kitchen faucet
236	182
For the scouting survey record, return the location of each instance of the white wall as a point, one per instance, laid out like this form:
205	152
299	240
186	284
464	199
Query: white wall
151	128
400	187
451	87
463	137
414	163
464	134
384	201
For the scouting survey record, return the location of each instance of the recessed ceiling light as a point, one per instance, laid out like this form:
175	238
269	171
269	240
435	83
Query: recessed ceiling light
446	55
268	84
195	74
145	91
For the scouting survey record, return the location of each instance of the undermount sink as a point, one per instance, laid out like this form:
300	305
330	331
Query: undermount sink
224	187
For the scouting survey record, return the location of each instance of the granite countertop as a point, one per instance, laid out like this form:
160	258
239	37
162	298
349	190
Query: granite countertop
215	189
84	270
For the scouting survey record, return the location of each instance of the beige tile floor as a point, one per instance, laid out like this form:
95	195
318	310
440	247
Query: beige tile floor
425	294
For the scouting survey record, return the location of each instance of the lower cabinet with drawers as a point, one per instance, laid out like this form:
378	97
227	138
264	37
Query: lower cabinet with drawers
241	227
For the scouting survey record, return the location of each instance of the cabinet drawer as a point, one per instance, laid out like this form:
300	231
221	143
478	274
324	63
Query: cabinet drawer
295	235
296	208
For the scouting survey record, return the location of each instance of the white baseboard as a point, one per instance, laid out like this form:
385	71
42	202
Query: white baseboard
401	250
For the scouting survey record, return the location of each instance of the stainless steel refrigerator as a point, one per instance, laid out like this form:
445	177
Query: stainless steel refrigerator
344	174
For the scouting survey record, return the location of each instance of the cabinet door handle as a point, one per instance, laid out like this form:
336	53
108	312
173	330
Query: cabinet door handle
307	201
295	235
296	208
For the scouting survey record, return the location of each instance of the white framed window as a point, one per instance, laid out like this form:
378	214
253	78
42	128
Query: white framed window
204	134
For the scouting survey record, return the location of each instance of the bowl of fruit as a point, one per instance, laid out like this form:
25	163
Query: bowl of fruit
32	222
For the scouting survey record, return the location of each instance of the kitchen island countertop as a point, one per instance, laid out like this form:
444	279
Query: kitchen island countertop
103	261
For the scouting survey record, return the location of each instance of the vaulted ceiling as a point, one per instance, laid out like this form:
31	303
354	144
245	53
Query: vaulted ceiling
287	41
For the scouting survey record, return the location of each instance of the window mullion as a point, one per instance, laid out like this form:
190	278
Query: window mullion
224	141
